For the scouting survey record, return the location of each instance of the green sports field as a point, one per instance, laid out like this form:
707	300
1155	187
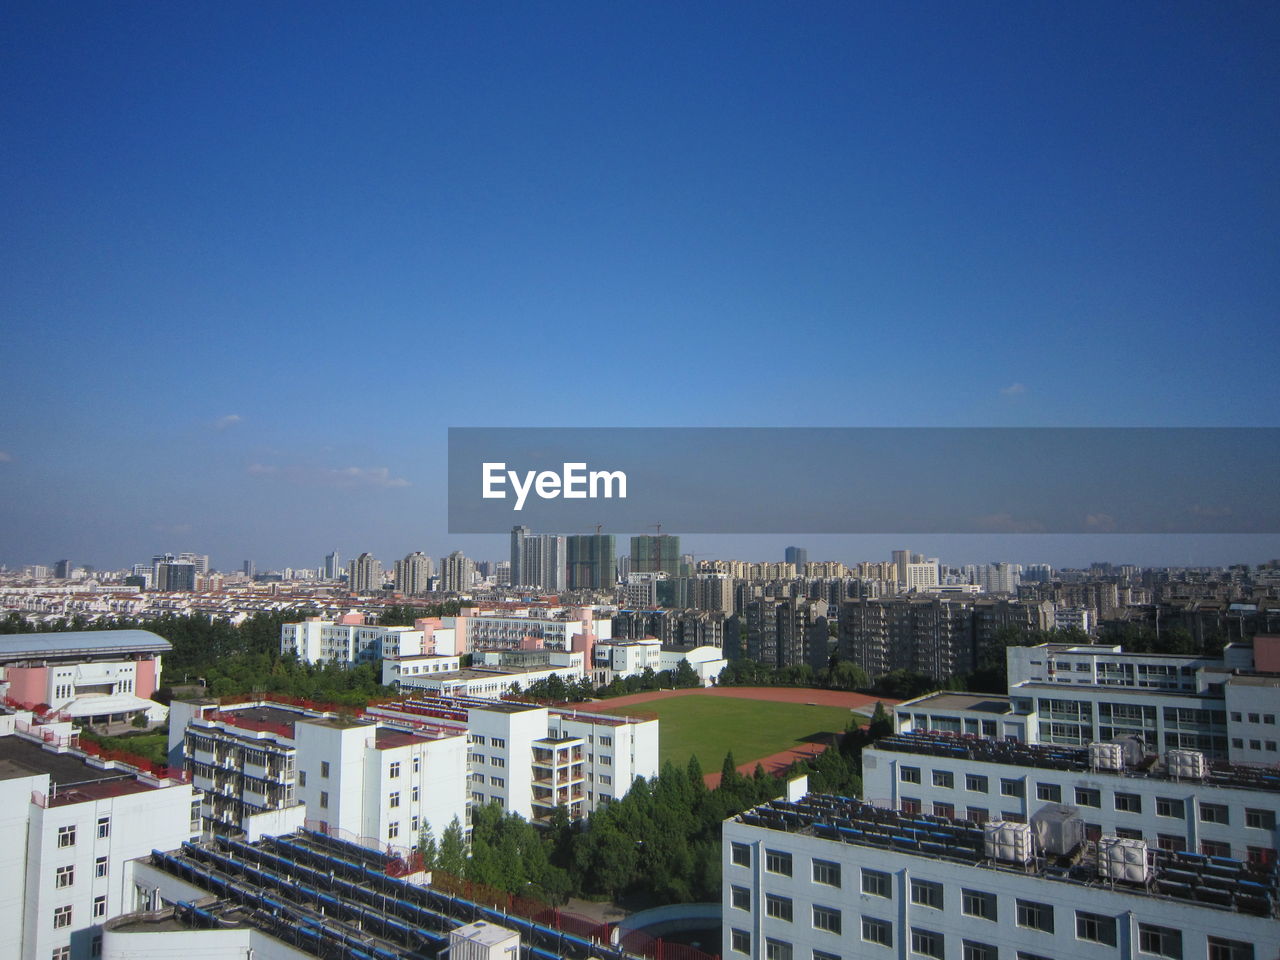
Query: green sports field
711	726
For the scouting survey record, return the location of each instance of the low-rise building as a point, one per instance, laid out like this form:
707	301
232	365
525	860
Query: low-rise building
100	676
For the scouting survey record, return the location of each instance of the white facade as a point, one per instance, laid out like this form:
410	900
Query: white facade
707	662
528	757
315	640
405	669
624	658
1230	815
372	779
71	827
799	895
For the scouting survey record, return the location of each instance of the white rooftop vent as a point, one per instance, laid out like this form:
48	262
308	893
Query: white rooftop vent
1122	859
1007	841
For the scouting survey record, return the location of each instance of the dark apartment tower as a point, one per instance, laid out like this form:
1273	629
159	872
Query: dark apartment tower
591	562
799	556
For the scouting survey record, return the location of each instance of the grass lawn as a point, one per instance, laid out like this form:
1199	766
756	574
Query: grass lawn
711	726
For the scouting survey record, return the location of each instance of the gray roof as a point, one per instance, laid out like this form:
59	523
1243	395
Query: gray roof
96	643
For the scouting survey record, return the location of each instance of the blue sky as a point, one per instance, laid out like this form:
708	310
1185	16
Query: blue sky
257	258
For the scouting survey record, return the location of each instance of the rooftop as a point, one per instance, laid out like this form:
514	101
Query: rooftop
325	897
1216	882
1048	757
71	777
90	643
980	702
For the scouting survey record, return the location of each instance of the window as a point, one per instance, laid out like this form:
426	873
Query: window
1237	716
740	854
1160	941
740	897
100	867
909	774
497	762
415	794
909	804
1220	948
478	739
67	836
1171	842
877	931
1011	788
1023	955
393	771
777	861
1214	813
927	943
324	768
978	903
61	917
64	876
777	907
876	882
1254	718
826	918
104	827
99	907
1215	848
393	829
498	742
1170	807
61	953
302	778
976	783
740	941
1128	802
977	814
980	951
1262	819
324	799
926	893
1049	791
823	955
393	800
826	872
1035	916
417	764
606	741
1095	928
776	949
496	781
944	778
941	809
1088	797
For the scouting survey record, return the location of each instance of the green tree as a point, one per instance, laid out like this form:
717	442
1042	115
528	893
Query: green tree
428	847
452	858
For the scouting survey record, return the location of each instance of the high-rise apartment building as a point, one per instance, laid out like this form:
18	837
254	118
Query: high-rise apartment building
413	574
518	534
798	556
364	574
655	554
543	563
591	562
457	573
332	566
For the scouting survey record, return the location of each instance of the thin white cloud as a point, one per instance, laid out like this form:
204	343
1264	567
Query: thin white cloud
342	477
230	420
1006	523
1100	522
1013	390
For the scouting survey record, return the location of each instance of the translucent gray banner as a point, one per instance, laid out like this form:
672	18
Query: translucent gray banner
865	480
